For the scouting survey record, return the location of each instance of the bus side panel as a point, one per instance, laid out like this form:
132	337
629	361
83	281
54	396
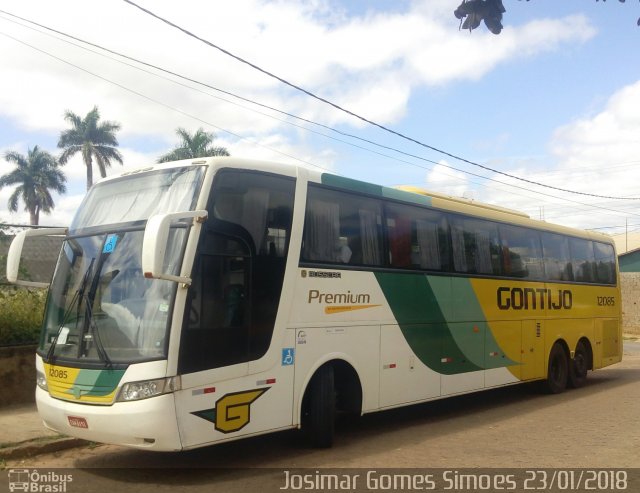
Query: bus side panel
610	350
569	330
403	377
533	350
461	358
503	364
219	405
359	346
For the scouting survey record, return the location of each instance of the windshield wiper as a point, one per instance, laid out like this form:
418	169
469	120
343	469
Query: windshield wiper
95	336
90	330
77	296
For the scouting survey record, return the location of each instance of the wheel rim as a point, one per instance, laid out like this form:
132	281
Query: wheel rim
580	363
555	370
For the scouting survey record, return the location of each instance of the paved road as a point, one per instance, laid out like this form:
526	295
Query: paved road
593	427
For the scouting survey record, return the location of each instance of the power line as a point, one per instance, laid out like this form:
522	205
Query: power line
100	47
178	110
346	134
359	117
585	169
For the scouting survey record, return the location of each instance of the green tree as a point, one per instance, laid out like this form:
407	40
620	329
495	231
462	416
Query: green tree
93	139
193	146
36	175
472	12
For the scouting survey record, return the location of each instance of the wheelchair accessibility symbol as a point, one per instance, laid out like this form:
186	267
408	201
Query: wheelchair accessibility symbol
288	356
110	244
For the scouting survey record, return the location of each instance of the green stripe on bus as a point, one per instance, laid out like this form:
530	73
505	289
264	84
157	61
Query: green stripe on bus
349	184
376	190
423	306
98	382
468	309
423	323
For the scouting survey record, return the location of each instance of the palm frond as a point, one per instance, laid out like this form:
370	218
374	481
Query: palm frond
193	146
72	118
68	153
13	199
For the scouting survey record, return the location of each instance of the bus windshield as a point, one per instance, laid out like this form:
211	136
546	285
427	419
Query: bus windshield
138	197
101	308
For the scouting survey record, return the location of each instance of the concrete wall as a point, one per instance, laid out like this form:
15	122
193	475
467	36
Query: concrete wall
18	375
630	284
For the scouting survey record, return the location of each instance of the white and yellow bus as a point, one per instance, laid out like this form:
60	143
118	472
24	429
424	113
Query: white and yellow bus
208	300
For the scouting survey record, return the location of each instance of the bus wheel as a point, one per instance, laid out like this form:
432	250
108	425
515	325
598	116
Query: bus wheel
319	409
579	366
558	371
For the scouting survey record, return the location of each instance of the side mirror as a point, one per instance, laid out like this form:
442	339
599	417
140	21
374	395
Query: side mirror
15	253
154	244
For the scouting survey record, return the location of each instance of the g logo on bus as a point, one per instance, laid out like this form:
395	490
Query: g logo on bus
232	411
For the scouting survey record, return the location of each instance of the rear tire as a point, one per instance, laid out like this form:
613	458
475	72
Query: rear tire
579	366
558	370
319	409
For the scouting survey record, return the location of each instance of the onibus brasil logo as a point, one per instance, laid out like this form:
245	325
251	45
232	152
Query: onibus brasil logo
38	482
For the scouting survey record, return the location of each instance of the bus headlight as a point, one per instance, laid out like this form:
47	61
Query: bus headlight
135	391
41	380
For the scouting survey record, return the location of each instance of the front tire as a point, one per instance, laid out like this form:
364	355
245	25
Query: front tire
579	366
319	409
557	371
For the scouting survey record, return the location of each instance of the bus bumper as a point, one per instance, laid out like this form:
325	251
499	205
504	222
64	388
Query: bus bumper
148	424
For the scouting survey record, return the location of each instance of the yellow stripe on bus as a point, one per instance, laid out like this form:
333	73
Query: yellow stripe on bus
329	310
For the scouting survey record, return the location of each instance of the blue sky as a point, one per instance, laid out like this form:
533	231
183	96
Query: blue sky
553	99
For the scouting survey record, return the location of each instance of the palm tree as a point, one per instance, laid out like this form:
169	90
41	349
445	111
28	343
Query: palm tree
35	175
93	139
193	146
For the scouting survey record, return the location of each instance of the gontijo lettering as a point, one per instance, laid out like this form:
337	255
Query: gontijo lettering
534	299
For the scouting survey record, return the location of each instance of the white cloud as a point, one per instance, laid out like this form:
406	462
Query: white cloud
369	63
607	138
448	181
279	149
597	154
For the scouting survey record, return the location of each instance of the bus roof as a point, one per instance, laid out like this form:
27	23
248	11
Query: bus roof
410	194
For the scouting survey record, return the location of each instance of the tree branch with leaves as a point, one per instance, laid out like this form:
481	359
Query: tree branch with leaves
472	12
35	175
191	146
92	139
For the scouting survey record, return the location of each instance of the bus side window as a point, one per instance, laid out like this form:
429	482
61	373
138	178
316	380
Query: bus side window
417	238
605	263
342	228
557	257
475	245
583	259
522	252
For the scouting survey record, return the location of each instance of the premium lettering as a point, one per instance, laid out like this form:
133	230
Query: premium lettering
534	299
338	298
